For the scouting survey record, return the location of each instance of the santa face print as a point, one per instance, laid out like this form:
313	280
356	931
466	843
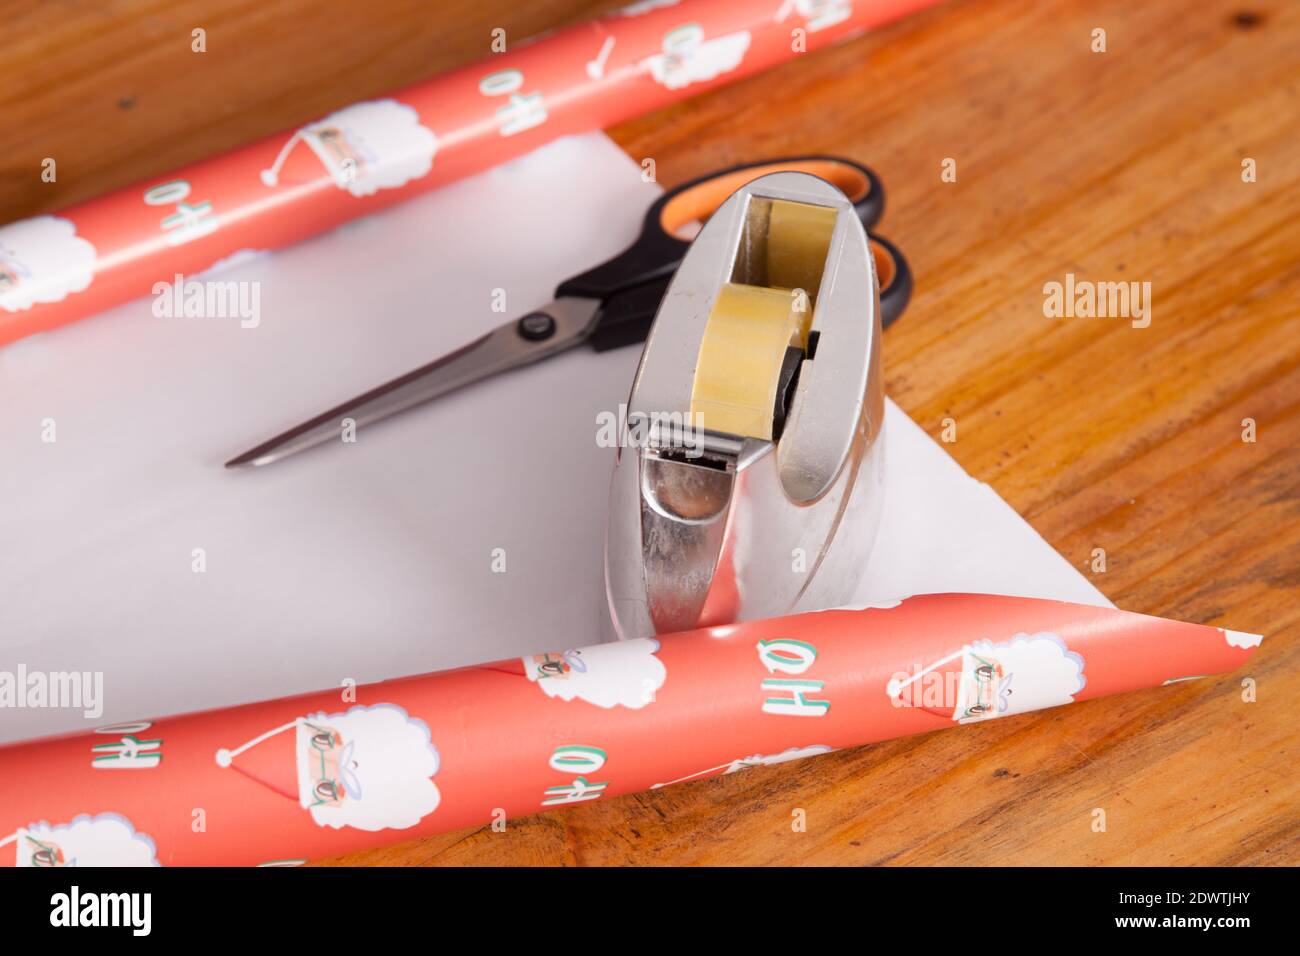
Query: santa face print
366	147
689	58
328	766
619	674
336	151
107	839
978	696
12	271
42	260
986	679
41	853
559	666
817	14
370	768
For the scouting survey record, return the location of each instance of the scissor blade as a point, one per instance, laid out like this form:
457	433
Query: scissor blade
502	349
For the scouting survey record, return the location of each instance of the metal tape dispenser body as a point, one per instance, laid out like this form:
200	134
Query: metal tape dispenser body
748	483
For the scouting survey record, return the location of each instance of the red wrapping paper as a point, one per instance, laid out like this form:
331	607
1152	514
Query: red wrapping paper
328	773
58	268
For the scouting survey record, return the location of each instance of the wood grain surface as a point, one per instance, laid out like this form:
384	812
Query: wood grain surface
1123	165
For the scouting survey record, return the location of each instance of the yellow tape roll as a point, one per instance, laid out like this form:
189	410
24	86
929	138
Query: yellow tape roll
739	364
798	239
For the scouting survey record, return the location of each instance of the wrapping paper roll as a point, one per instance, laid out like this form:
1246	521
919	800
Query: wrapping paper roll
58	268
328	773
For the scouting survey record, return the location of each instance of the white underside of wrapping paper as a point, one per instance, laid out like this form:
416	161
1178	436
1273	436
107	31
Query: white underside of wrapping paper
371	560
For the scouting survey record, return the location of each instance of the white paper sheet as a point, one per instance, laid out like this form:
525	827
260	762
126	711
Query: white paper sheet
370	560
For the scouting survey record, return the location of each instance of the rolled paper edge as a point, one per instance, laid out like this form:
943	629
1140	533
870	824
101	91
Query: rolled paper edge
286	188
328	773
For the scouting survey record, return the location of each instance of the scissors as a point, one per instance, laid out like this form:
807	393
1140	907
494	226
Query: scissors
609	306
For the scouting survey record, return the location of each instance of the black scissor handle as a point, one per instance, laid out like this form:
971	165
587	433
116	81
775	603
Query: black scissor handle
659	250
626	316
895	277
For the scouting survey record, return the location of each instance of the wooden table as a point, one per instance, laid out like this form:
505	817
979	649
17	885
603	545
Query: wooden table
1122	165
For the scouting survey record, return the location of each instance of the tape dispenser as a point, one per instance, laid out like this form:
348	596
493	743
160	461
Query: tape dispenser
749	481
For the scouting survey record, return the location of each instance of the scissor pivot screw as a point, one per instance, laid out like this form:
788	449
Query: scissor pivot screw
537	326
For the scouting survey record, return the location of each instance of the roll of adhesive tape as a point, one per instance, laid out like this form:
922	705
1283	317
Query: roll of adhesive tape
798	239
738	369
